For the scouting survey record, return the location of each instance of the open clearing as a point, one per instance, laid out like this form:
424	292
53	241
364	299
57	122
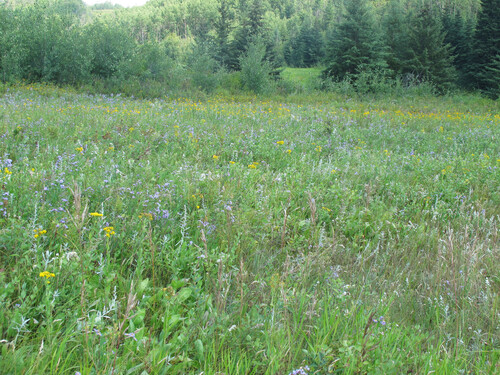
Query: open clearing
231	236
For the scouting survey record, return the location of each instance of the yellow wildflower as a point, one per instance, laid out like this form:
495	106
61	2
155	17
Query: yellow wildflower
47	275
109	231
280	142
95	214
39	232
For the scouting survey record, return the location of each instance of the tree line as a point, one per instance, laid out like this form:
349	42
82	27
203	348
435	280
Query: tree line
197	43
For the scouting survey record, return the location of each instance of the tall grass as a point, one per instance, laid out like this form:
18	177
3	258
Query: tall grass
244	236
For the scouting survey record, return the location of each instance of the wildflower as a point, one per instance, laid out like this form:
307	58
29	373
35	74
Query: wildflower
215	157
131	130
318	148
109	231
280	142
231	162
47	275
334	171
7	171
79	149
252	166
39	232
95	214
147	215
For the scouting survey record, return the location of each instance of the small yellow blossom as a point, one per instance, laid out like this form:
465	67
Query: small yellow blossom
280	142
47	275
39	232
79	149
95	214
252	166
231	162
109	231
289	151
146	215
215	157
7	171
131	129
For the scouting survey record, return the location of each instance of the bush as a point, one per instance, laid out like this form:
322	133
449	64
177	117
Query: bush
255	69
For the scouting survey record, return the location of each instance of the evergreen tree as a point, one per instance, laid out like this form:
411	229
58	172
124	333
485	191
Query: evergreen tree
486	47
223	25
396	35
355	46
430	57
459	33
251	28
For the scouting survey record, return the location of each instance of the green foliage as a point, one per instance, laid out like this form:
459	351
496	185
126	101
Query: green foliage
242	235
430	59
255	69
204	71
487	47
355	46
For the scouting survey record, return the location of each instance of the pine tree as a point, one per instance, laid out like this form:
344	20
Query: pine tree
251	28
459	33
431	58
223	29
486	47
355	46
396	35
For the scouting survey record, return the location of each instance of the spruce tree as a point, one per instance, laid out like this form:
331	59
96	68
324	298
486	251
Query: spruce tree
431	58
459	34
355	46
487	47
396	35
223	25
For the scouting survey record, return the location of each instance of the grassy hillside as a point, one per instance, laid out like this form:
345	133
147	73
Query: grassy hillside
316	235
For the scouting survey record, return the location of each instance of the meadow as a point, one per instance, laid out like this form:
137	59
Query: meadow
300	235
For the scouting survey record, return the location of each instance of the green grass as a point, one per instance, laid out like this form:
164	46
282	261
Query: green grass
248	236
303	79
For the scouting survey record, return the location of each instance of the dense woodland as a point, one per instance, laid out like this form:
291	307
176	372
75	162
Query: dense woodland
203	44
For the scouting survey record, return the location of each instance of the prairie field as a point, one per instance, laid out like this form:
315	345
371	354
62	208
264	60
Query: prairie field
239	235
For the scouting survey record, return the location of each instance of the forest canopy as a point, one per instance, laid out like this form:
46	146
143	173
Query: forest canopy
447	43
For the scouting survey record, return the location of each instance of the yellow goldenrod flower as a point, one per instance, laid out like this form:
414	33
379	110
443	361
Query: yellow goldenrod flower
47	275
39	232
109	231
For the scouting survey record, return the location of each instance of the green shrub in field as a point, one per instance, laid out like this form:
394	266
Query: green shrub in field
255	70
